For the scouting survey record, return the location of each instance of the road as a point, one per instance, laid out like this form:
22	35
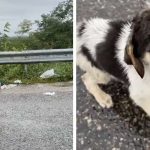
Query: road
125	126
30	120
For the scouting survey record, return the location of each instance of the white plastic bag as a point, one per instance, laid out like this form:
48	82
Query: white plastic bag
48	74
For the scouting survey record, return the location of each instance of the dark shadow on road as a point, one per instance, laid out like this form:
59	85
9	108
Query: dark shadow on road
133	116
125	126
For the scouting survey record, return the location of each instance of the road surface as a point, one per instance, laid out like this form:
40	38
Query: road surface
30	120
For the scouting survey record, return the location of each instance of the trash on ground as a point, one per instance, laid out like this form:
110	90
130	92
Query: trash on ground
9	86
17	81
49	93
48	74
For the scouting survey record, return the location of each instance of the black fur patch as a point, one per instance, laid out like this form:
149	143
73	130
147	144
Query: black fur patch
86	53
106	52
81	29
141	33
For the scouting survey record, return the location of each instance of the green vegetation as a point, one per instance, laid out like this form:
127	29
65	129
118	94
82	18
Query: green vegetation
9	73
54	30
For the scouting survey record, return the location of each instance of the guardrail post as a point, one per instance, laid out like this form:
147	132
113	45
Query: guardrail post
26	69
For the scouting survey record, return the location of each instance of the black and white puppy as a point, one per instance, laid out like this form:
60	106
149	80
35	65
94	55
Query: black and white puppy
119	50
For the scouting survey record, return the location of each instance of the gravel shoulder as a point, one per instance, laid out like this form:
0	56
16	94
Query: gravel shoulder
30	120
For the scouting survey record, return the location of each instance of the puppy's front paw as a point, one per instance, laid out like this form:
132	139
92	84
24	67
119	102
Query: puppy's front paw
105	101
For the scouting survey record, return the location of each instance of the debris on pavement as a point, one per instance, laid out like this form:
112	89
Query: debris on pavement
49	93
9	86
17	81
31	121
48	74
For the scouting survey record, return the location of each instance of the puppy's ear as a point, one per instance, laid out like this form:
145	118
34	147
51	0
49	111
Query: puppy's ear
132	60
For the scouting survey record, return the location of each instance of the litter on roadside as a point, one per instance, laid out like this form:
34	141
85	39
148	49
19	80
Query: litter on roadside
17	81
9	86
48	74
49	93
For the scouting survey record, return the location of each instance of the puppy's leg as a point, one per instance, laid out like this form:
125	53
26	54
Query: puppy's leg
91	84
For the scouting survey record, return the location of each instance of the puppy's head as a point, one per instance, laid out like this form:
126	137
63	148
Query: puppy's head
137	50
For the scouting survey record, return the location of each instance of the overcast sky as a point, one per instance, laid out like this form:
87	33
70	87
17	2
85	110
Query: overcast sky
14	11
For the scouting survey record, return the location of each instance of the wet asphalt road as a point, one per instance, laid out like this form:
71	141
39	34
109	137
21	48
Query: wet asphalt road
30	120
125	126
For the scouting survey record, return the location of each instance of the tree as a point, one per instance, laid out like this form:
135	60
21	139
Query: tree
24	27
56	29
64	11
4	39
7	27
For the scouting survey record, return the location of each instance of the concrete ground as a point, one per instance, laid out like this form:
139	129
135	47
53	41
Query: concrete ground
30	120
125	126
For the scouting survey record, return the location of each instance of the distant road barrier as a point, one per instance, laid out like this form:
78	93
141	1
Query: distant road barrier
36	56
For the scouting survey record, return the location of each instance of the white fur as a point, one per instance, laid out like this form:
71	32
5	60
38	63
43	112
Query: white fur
95	32
139	88
91	81
91	78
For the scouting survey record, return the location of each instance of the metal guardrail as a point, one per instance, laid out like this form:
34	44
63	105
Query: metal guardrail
36	56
